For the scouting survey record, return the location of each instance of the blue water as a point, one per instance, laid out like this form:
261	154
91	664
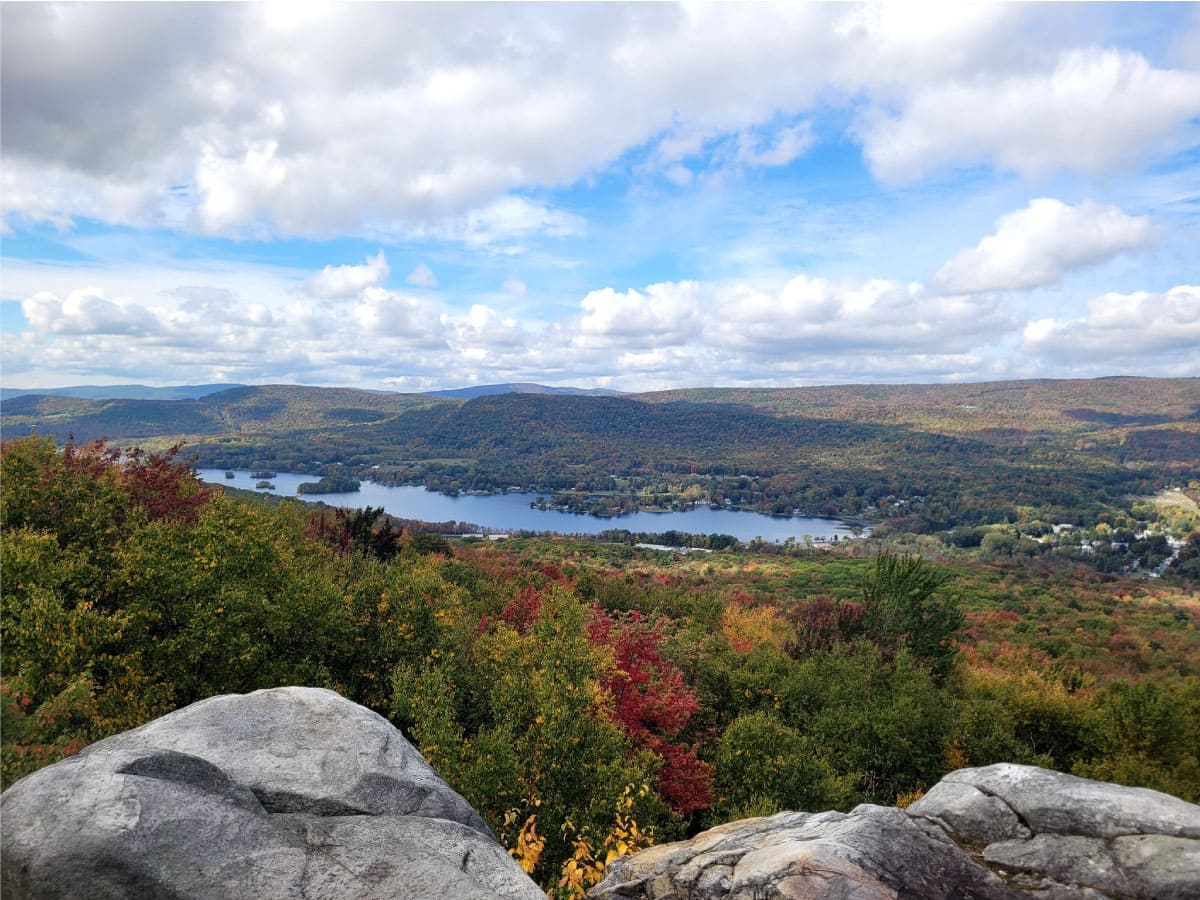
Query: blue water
511	512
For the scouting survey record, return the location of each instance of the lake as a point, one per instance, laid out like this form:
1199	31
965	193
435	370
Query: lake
511	512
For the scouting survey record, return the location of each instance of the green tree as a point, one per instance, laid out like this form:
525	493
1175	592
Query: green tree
905	606
884	722
764	766
520	721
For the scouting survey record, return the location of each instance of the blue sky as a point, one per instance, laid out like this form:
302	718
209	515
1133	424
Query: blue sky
419	196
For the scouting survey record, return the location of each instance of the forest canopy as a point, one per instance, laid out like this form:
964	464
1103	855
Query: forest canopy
571	690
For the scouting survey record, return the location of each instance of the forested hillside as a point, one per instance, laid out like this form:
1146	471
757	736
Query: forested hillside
923	458
586	698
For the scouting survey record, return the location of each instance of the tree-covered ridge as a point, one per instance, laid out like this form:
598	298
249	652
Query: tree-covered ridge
926	457
1068	405
582	696
261	410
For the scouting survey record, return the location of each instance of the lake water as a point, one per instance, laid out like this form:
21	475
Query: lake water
512	512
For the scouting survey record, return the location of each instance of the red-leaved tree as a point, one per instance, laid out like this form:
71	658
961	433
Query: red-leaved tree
653	705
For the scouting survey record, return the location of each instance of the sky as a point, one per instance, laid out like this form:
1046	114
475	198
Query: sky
411	197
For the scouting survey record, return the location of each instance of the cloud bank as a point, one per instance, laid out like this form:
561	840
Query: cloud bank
418	119
692	332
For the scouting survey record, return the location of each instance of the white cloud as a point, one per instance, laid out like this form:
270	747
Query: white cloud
511	218
422	276
816	315
382	313
1149	332
223	305
1098	111
786	145
347	281
256	325
806	330
396	120
236	192
87	311
714	155
485	333
1037	245
664	314
679	175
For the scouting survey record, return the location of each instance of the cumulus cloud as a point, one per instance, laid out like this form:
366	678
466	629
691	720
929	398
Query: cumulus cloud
810	315
216	325
422	276
382	313
1098	111
347	281
1160	329
218	304
87	311
487	334
233	119
1037	245
664	314
207	326
695	333
235	192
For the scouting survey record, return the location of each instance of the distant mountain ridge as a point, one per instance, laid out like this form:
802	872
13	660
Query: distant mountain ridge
950	454
196	391
521	387
121	391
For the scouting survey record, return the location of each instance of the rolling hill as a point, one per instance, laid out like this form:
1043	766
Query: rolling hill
943	454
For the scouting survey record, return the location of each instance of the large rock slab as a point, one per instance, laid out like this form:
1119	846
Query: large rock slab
1001	832
1052	802
870	853
292	793
1048	830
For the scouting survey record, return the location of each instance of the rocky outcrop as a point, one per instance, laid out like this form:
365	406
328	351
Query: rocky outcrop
299	793
1042	830
1002	832
286	793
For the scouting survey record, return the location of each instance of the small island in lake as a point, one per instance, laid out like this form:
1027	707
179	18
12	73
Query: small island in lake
330	484
262	474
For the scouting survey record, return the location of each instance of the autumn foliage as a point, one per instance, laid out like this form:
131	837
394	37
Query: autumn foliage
586	698
654	705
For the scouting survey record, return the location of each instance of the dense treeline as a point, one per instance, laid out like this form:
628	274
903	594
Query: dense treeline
661	454
571	691
924	458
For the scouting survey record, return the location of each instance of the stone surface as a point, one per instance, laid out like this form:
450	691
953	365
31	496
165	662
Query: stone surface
966	810
286	793
870	853
299	793
1047	801
1002	832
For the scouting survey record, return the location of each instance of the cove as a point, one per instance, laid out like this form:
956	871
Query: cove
511	512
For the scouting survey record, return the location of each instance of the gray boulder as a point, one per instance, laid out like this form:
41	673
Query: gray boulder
1052	831
997	833
870	853
1047	801
284	793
